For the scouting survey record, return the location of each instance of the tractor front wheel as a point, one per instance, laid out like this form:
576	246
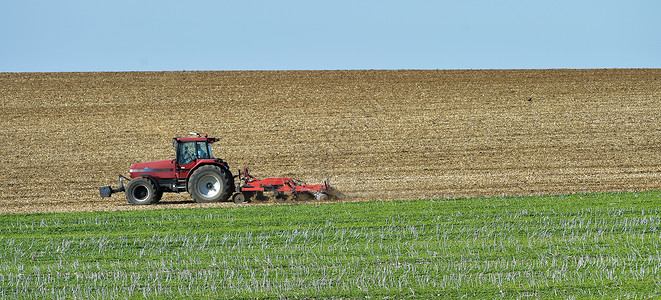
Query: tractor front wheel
209	184
140	191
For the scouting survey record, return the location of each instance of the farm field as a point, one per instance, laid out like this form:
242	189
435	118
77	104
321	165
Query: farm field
402	134
569	246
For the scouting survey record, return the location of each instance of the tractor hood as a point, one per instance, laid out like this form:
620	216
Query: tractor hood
157	168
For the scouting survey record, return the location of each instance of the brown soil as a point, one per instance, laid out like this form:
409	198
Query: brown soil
376	134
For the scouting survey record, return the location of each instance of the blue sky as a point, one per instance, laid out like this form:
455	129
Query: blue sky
64	36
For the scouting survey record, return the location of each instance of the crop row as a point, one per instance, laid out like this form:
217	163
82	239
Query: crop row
572	245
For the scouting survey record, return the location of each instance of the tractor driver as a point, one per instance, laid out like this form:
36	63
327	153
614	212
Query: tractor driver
201	152
187	153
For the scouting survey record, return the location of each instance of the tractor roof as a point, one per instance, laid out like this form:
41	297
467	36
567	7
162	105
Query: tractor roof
196	139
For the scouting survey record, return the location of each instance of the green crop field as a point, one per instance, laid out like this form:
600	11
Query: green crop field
569	246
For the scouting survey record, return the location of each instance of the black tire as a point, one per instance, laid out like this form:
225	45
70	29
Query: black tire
210	184
140	191
230	181
157	197
238	198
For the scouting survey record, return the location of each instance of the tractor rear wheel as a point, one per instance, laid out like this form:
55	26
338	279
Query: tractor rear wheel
210	184
140	191
158	196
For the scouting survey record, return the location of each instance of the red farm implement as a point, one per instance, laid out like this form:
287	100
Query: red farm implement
280	188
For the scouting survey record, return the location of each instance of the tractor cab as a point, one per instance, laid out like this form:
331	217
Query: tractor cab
193	152
189	150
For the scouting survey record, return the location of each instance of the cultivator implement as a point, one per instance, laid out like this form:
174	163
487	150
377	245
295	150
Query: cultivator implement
280	188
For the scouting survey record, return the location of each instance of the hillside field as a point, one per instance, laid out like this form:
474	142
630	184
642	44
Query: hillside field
401	134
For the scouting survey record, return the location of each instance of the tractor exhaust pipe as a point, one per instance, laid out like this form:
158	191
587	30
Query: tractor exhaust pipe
107	191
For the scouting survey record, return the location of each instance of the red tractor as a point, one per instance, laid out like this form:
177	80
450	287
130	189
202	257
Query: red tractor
207	179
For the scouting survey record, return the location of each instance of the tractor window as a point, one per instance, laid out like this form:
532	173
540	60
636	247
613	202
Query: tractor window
186	152
202	150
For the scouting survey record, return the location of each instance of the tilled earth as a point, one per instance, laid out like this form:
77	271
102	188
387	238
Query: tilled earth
399	134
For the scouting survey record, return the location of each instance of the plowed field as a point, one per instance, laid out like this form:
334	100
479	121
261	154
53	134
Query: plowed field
376	134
